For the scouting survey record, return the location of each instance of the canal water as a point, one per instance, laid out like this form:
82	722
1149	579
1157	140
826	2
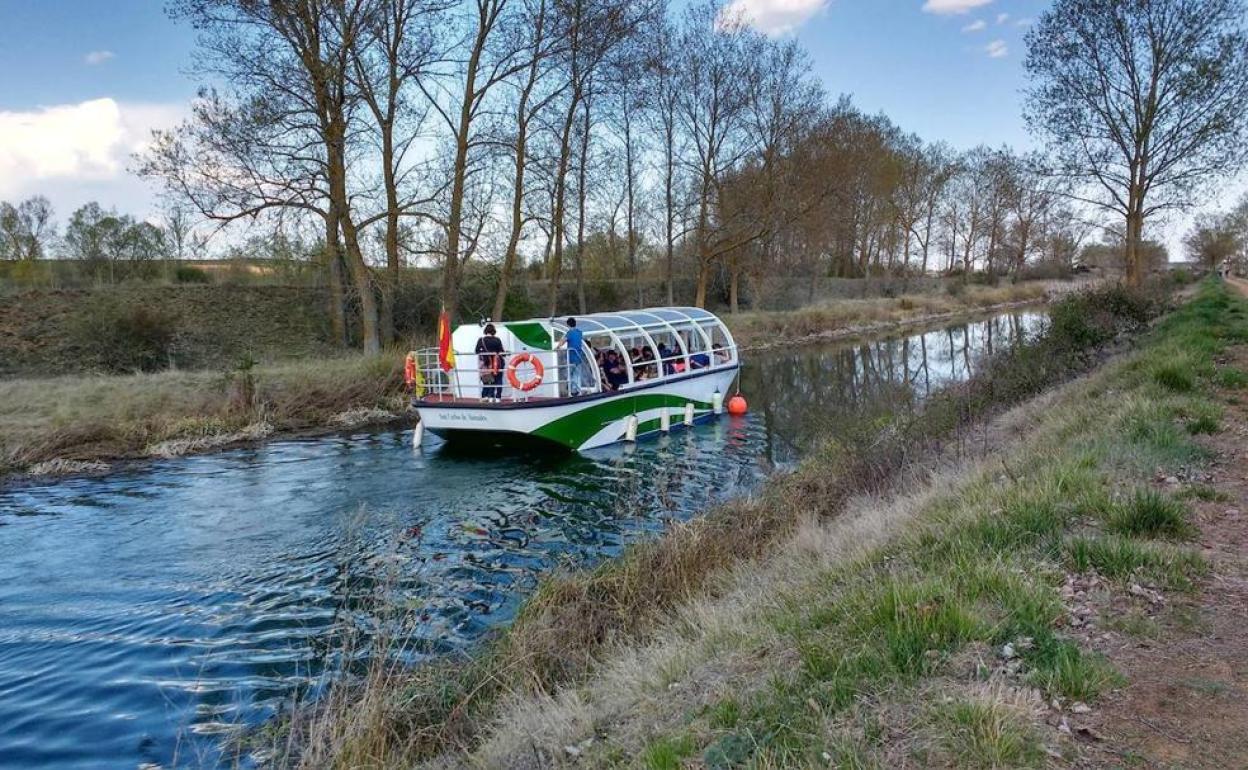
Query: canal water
148	614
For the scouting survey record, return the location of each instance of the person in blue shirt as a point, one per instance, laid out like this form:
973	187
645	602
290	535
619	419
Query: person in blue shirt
575	341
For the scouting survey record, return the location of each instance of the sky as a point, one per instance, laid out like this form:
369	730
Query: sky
87	80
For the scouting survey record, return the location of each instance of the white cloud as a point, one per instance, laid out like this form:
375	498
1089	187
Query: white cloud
65	150
997	49
1024	22
775	17
98	57
1002	18
975	26
946	7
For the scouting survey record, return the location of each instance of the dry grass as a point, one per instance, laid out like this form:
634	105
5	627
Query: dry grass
698	586
94	417
776	666
856	316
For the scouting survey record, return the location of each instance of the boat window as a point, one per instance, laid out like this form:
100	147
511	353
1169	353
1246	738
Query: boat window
670	353
721	344
611	358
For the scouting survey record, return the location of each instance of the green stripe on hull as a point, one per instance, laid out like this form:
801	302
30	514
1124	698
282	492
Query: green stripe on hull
575	429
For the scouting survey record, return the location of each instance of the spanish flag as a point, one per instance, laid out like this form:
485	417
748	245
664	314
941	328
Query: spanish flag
446	353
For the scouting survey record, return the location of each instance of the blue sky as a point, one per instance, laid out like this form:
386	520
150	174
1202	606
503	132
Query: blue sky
88	80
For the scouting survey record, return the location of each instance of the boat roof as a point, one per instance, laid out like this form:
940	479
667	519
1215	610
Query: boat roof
645	318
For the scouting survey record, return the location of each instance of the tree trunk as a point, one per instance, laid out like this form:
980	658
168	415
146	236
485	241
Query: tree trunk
582	167
361	276
1134	259
558	211
734	283
521	161
669	180
391	280
333	261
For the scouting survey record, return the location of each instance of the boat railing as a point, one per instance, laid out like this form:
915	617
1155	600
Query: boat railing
563	379
464	381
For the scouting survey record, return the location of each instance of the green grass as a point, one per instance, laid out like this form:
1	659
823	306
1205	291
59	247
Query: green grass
1231	378
1123	559
1175	377
983	734
902	630
1149	513
1204	493
667	753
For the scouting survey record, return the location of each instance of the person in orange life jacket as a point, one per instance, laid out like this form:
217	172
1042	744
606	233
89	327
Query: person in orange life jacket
489	352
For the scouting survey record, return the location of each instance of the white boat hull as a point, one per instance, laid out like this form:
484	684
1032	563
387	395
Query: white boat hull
582	423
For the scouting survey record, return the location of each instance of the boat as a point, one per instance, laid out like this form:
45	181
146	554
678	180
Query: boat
641	372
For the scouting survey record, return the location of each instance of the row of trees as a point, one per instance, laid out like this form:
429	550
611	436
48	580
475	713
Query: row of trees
442	131
543	133
1219	238
100	238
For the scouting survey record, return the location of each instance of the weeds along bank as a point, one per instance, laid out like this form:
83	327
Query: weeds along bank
76	424
78	421
724	638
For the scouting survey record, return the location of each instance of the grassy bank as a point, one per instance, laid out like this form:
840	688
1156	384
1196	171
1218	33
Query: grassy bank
944	625
74	423
712	588
847	317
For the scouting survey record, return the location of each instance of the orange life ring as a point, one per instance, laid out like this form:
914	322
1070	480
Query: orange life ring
538	371
409	369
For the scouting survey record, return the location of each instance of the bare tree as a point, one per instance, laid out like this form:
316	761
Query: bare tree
717	72
530	102
395	46
25	229
1144	101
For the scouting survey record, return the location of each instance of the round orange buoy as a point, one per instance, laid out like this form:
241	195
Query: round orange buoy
737	405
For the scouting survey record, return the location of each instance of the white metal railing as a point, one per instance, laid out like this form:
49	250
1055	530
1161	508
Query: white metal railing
464	381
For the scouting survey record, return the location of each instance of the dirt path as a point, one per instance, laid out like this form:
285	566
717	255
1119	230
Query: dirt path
1185	659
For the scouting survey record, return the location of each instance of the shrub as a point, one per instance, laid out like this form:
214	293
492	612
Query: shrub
188	274
120	338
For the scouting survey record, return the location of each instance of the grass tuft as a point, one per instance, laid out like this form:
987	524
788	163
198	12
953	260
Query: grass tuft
1175	377
1122	559
985	734
1149	513
667	753
1231	378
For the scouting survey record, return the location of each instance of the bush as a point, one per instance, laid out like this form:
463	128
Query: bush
122	339
188	274
1091	318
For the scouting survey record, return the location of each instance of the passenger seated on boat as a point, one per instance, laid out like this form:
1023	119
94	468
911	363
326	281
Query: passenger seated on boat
614	370
699	361
669	366
721	354
649	368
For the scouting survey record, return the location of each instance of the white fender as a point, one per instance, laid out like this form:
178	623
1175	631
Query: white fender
665	421
717	403
630	433
418	435
689	414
